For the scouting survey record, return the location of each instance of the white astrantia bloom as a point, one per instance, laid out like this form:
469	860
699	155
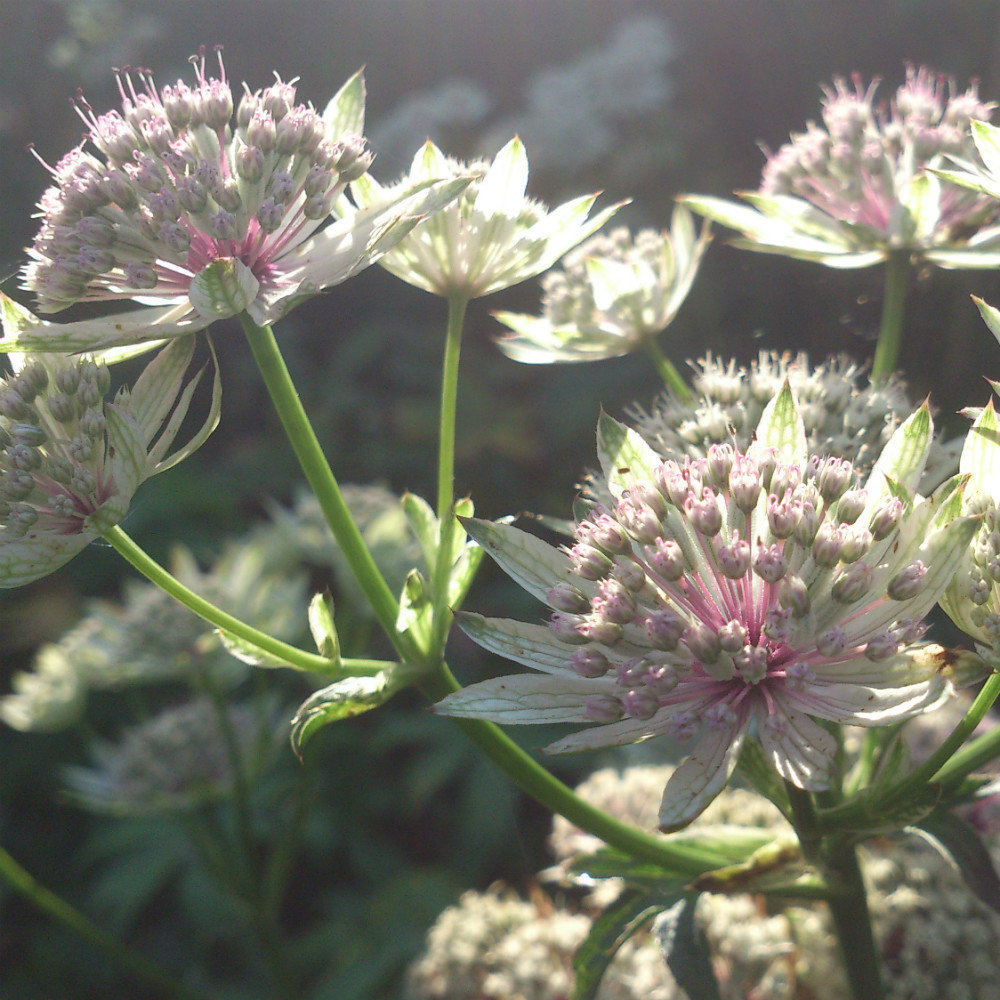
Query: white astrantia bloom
610	295
70	462
490	237
174	205
740	595
864	183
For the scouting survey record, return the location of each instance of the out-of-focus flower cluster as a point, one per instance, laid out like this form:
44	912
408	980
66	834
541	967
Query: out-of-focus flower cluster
849	191
180	758
935	939
609	296
842	415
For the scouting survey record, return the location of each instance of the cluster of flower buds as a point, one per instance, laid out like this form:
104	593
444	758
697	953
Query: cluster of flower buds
746	591
855	167
610	295
175	187
842	416
70	462
53	433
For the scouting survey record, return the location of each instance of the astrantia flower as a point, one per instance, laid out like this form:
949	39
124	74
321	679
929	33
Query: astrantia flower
488	238
70	462
170	203
841	415
611	295
743	594
849	191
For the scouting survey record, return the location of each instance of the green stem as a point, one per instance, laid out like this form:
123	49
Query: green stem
155	573
668	372
927	770
549	791
59	910
947	766
890	334
848	900
446	467
320	477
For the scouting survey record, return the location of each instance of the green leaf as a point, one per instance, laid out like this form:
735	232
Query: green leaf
625	457
249	652
990	314
612	929
981	453
424	525
345	114
902	459
685	949
893	760
323	628
961	844
755	768
781	427
341	700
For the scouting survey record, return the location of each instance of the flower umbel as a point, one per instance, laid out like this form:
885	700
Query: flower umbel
746	593
488	238
849	191
70	462
611	294
170	203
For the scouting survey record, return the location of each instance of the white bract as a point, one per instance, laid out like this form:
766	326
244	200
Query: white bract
490	237
70	463
740	595
848	192
171	204
610	295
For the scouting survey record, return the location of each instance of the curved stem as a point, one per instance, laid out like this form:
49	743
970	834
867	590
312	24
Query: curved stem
848	902
669	374
295	657
59	910
549	791
320	477
890	334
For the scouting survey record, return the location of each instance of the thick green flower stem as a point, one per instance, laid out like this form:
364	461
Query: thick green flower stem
446	464
300	658
668	372
549	791
320	477
847	899
141	970
890	334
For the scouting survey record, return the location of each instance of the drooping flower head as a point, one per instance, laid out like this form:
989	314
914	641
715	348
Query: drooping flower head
173	203
70	462
610	295
743	594
847	191
491	237
841	414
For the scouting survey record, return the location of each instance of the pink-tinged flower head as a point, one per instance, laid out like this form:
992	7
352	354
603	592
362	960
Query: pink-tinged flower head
201	207
70	462
864	181
744	594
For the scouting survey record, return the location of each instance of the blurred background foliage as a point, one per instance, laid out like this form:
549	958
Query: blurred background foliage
640	100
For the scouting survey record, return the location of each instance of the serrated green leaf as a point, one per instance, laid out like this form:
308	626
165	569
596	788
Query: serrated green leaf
323	628
685	950
960	843
612	929
341	700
